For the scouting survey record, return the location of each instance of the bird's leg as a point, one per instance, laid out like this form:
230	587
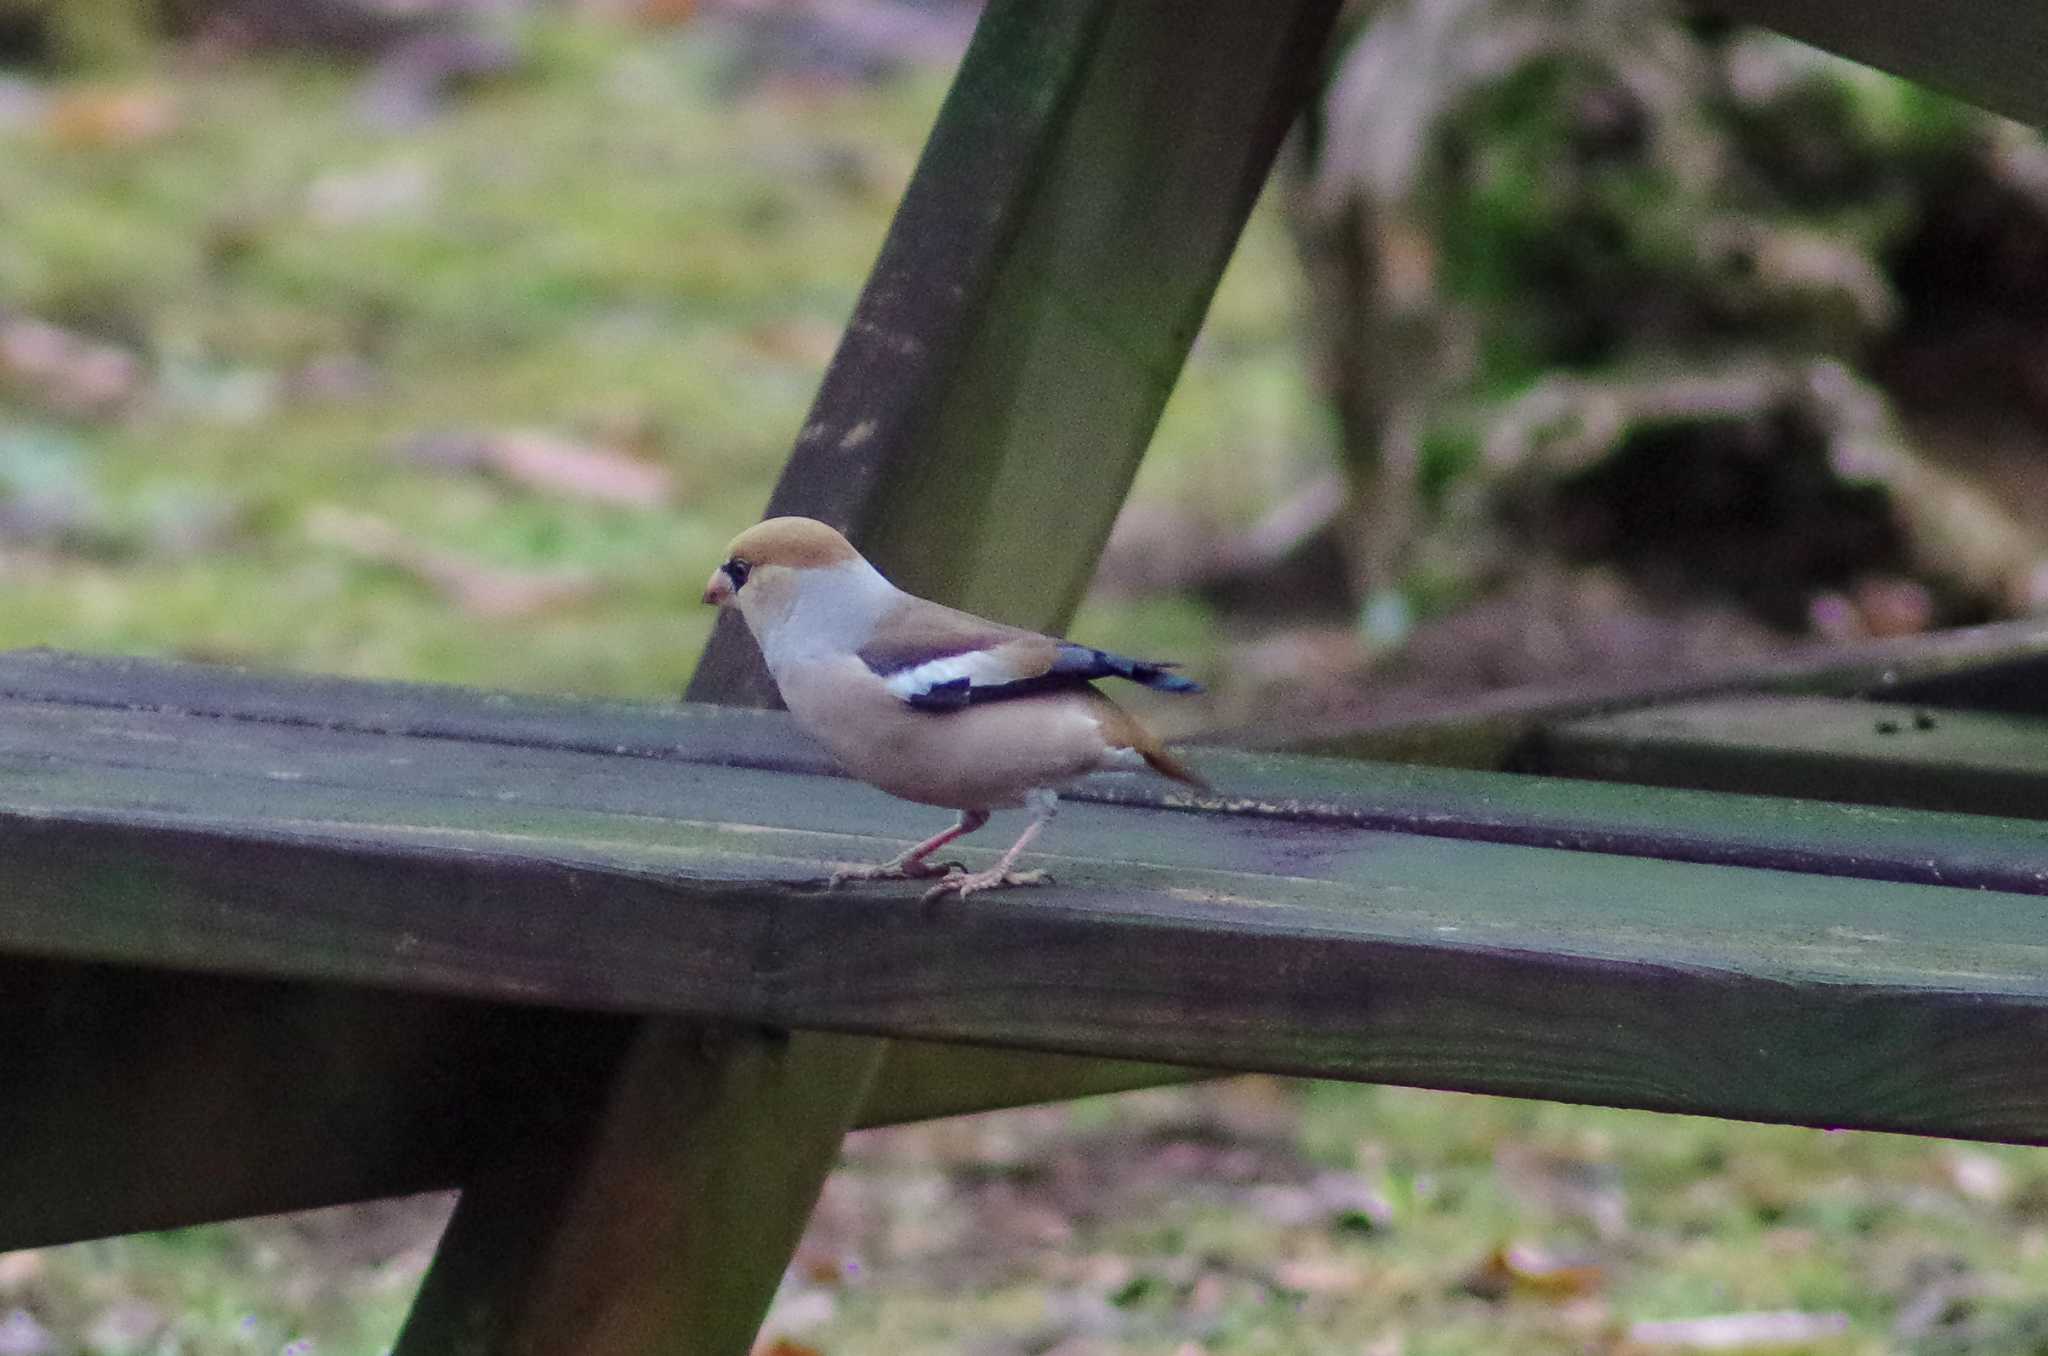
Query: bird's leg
912	865
1044	805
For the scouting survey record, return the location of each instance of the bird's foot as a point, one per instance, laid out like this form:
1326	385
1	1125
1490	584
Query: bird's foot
899	869
965	883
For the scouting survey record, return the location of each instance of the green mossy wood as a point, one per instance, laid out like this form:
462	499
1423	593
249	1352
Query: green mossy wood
1768	959
1872	753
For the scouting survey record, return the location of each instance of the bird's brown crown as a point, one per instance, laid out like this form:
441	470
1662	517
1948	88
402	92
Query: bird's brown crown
800	543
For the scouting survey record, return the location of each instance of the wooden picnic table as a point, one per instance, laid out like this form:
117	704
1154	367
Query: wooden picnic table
276	942
273	942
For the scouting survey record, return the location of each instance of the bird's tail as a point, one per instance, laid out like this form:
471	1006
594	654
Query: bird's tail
1166	765
1123	731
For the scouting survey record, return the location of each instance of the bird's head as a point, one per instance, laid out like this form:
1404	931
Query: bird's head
767	565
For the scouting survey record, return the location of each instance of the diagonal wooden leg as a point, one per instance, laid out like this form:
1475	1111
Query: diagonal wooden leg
1029	313
655	1219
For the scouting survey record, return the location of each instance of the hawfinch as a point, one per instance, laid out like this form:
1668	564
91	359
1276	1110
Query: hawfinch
928	703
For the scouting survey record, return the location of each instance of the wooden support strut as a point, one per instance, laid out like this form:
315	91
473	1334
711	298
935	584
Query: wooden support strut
1080	194
1988	52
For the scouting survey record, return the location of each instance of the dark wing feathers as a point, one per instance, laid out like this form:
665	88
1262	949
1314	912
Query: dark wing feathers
1081	663
933	680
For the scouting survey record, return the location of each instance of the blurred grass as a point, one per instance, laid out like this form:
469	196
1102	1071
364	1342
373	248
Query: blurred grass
615	236
1172	1240
622	235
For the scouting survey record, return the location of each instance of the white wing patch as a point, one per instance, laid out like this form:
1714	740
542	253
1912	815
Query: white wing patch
976	666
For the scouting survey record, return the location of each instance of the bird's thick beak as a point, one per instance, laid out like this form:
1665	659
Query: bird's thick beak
719	591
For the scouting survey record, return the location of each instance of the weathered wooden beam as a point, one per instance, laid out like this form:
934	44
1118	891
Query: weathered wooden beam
1869	753
147	1099
142	1099
656	1218
916	1083
589	763
1274	934
1029	312
1987	52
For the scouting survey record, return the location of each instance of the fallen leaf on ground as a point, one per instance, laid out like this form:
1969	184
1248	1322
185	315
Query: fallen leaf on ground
1749	1332
400	187
126	1326
97	116
21	1335
810	342
1978	1176
1321	1276
1518	1269
19	1268
484	590
544	461
65	370
1338	1199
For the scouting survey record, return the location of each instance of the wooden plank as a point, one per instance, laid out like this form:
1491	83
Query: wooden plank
922	1080
658	1219
1869	753
643	884
148	1100
1029	312
542	760
1988	52
1988	667
160	1100
2016	684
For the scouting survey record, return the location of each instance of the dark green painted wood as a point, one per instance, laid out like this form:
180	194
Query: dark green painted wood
2016	684
648	884
147	1100
153	1100
1081	192
655	1218
520	753
922	1080
1871	753
1989	53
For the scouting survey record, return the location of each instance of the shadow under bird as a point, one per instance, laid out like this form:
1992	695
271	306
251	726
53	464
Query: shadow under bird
930	703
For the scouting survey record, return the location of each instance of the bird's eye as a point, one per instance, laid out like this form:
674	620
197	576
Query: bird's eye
736	570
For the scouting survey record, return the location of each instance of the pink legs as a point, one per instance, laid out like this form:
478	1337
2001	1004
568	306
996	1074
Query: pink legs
964	883
912	865
952	879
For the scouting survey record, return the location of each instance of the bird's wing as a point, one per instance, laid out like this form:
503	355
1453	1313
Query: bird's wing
938	659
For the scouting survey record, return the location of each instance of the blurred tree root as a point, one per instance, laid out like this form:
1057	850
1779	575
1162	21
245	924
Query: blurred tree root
1593	283
1787	487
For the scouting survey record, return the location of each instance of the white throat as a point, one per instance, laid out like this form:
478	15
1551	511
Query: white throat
834	612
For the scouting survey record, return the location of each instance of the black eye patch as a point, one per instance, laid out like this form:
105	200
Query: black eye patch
737	571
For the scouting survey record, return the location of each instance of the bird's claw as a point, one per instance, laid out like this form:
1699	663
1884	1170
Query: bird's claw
965	883
896	870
